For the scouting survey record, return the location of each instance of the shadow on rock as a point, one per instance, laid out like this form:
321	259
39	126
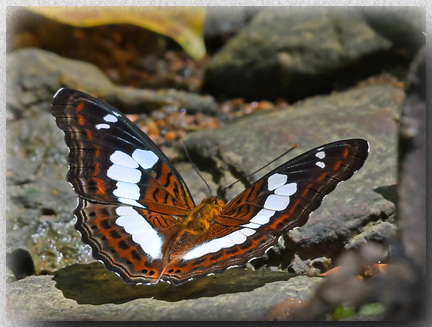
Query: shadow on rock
93	284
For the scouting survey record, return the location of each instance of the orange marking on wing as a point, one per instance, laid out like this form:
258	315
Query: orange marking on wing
100	185
89	134
323	175
98	151
345	153
337	165
97	169
294	206
80	106
306	190
81	120
97	220
275	223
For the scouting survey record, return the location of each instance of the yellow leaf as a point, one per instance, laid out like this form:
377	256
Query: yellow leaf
182	24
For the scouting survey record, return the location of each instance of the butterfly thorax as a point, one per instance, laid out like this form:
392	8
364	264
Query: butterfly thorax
195	228
200	219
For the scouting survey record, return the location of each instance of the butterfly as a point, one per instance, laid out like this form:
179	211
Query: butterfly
138	216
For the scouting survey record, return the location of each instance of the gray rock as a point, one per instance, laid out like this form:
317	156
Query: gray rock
410	272
295	52
412	191
31	90
40	202
51	301
405	26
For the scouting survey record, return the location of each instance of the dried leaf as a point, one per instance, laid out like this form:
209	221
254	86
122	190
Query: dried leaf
182	24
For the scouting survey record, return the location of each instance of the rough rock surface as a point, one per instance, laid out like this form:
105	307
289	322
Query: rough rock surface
35	75
51	303
296	52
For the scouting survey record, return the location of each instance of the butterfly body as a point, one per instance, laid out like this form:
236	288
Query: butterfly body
201	218
195	228
138	216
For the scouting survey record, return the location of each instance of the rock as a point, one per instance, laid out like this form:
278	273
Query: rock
380	231
412	190
40	201
404	26
296	52
50	301
286	311
31	90
20	263
369	111
345	288
227	20
409	276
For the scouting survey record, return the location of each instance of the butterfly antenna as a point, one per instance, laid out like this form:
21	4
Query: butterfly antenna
195	168
247	177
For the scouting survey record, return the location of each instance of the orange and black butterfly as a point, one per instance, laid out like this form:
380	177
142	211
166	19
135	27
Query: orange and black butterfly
138	216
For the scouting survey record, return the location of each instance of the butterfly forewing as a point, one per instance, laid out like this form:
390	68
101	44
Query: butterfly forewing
112	161
284	198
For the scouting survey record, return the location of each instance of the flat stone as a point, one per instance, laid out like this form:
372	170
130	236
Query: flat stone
52	301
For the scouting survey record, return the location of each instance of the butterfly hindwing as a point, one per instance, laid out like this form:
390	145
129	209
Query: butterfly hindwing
112	161
130	241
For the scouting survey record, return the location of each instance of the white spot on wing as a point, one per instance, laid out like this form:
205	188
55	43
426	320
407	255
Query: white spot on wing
127	190
124	211
145	158
320	164
110	118
130	202
124	174
276	180
247	231
238	237
100	126
276	202
197	251
141	231
320	155
123	159
252	225
287	189
215	245
263	216
226	241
